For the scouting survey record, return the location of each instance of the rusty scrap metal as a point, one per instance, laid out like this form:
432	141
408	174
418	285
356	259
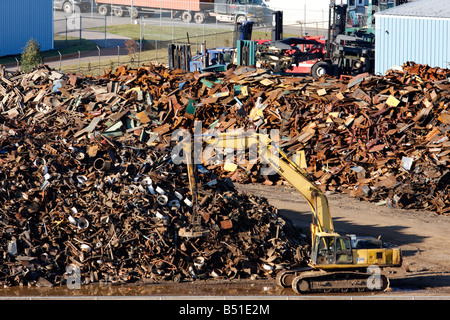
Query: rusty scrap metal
87	180
81	188
114	226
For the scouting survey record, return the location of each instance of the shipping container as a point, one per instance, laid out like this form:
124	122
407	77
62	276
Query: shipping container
418	31
21	20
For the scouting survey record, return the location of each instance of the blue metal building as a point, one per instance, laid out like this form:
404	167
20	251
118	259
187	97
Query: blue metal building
21	20
417	31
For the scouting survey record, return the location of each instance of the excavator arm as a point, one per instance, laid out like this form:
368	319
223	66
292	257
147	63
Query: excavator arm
333	264
278	160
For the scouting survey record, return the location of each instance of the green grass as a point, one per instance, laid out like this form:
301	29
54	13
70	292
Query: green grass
96	68
72	45
221	37
151	33
61	45
162	34
155	32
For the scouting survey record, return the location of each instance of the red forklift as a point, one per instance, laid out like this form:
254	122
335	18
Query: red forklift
348	49
337	55
293	55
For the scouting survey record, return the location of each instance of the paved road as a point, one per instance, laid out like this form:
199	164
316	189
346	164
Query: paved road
70	24
90	20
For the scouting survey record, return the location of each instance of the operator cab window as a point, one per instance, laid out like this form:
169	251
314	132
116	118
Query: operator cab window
325	254
332	250
343	250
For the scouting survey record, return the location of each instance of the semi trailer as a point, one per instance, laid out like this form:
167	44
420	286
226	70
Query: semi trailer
197	11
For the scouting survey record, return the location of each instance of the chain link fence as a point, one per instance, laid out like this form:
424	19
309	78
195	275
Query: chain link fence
154	30
71	30
145	51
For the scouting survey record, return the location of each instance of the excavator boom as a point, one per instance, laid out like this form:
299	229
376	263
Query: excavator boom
298	178
335	263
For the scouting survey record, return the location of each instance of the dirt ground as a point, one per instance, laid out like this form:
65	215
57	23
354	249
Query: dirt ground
422	236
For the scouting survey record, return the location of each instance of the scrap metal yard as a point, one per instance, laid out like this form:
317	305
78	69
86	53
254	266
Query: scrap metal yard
281	169
86	181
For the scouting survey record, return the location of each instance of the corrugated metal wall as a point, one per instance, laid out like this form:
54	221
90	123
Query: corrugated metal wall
400	39
21	20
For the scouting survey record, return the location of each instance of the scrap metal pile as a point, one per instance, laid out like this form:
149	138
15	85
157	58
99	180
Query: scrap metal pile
383	138
108	208
87	176
121	224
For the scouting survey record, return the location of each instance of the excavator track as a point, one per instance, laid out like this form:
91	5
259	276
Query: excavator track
320	281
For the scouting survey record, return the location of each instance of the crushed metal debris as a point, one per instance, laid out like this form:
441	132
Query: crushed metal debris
87	180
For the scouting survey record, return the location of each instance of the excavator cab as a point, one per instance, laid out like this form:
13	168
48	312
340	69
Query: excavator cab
330	249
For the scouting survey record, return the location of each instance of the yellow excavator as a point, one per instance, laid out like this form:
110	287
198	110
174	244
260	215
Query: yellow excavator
336	262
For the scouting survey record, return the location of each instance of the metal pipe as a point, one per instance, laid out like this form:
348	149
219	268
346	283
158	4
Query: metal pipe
98	59
102	165
329	28
80	27
106	23
132	11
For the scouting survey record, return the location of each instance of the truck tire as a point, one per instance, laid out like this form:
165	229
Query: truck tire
104	10
359	66
186	16
67	7
134	13
321	69
118	11
240	19
199	17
